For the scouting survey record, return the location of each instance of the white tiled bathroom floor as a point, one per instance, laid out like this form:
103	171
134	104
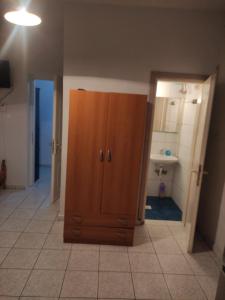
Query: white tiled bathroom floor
34	261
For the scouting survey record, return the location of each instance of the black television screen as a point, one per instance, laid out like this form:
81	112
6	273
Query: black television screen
4	74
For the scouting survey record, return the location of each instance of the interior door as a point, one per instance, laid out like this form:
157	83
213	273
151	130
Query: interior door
199	156
124	148
56	140
86	144
37	135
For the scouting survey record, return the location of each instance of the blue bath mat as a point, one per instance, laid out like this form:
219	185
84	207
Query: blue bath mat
162	209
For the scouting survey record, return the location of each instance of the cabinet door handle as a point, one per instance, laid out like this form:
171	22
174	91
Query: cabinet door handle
101	155
109	155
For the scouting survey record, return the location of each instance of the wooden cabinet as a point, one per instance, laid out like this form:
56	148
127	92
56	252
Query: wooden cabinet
105	146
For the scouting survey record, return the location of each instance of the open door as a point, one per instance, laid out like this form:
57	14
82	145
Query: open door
208	88
37	134
56	140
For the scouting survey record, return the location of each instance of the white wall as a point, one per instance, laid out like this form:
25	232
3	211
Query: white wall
121	43
46	109
33	53
13	116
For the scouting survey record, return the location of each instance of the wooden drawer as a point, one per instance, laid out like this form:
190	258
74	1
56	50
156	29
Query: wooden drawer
100	221
98	235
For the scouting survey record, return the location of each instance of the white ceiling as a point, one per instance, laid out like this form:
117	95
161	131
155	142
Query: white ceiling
218	5
210	5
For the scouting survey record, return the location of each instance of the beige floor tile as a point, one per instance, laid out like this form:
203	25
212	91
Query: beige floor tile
185	287
202	264
37	298
2	220
23	213
209	286
55	241
5	213
144	262
72	298
115	285
84	260
78	246
159	231
44	283
39	226
17	225
8	298
183	244
45	214
174	264
80	284
8	239
53	259
12	282
141	230
179	232
150	286
166	245
31	202
113	248
31	240
21	259
3	253
57	227
114	261
142	244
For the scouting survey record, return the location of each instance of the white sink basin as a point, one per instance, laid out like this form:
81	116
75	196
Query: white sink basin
163	159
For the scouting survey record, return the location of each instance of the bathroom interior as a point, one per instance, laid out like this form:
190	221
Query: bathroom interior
176	111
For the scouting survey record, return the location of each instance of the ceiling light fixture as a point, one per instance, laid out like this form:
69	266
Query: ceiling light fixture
22	17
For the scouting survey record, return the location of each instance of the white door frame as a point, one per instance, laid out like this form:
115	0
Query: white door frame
56	139
154	78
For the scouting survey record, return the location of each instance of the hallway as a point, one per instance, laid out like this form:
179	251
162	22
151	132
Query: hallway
34	261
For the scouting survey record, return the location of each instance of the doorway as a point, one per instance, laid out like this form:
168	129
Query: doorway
178	122
44	94
45	120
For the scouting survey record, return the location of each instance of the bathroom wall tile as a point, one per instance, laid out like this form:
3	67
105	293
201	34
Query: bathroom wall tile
179	196
158	136
186	131
171	137
189	113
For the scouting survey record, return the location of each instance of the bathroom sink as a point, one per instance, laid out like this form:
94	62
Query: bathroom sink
163	159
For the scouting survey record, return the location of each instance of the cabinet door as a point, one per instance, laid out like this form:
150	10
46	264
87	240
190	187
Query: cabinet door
86	144
124	148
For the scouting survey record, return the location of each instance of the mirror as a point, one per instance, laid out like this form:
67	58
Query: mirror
167	115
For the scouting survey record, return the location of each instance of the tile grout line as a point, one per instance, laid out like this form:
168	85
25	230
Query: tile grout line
31	271
99	253
19	233
131	274
70	254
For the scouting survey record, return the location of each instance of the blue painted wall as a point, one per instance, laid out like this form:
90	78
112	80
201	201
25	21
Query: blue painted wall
46	111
